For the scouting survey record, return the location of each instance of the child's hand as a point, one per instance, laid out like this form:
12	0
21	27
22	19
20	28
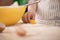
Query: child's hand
28	16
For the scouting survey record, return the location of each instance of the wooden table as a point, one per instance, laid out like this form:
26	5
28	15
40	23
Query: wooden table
34	32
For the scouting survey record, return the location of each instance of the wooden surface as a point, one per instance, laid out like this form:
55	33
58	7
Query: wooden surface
34	32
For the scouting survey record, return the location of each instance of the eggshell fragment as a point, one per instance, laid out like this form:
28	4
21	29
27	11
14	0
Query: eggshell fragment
2	27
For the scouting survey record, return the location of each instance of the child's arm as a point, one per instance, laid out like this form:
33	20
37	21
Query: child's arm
32	8
31	13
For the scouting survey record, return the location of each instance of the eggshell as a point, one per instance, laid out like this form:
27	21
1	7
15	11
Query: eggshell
20	31
2	27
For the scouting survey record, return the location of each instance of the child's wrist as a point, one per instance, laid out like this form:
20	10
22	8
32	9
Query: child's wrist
32	11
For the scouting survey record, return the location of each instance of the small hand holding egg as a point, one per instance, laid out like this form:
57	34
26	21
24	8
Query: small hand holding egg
2	27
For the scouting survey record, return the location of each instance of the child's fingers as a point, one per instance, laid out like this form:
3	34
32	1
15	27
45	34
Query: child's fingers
28	17
25	18
33	16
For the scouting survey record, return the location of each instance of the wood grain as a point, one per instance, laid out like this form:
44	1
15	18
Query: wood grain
34	32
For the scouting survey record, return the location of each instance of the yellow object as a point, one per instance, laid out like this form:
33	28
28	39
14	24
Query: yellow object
12	15
32	21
